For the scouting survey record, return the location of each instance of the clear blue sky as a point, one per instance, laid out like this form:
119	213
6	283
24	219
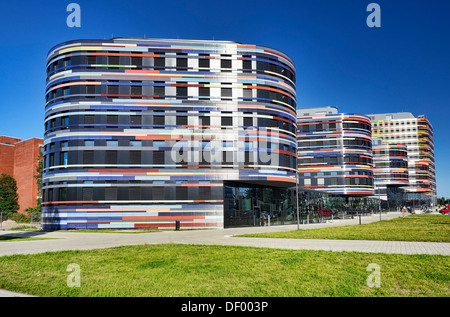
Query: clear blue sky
402	66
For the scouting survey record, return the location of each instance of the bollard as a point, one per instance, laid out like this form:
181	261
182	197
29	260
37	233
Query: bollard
177	225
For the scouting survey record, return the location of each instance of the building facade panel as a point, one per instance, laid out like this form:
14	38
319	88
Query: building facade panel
140	133
19	159
335	152
390	168
417	134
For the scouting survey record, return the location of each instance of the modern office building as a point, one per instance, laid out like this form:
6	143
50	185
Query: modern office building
19	159
142	133
335	152
417	134
390	172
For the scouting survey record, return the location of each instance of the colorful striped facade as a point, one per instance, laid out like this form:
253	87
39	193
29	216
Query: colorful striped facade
335	152
390	167
140	133
417	135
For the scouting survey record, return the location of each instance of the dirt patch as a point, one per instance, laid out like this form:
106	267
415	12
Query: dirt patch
9	224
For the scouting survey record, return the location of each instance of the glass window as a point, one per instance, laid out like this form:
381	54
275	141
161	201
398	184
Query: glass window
111	193
64	158
90	89
65	121
87	193
136	120
159	91
181	61
205	144
135	143
136	90
203	61
248	121
158	157
182	120
135	157
247	93
89	119
66	62
158	143
181	193
182	92
112	119
159	62
158	193
113	60
205	121
227	121
246	64
111	157
112	89
136	60
88	157
226	92
91	60
225	63
62	194
134	193
203	91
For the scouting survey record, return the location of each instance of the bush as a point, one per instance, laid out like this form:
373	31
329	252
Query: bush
31	210
20	218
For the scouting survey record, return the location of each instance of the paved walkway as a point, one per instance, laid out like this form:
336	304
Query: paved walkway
84	240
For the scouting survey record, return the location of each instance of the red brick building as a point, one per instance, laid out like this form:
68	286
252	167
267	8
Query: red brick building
20	159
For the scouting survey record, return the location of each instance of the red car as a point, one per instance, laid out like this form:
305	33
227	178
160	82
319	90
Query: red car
325	211
445	210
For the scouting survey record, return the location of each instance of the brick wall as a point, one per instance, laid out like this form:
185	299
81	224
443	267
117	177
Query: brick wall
20	159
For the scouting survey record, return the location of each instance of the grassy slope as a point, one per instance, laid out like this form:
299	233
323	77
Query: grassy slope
188	270
430	228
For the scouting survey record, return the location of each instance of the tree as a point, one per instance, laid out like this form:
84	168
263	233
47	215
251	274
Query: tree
38	176
8	194
443	201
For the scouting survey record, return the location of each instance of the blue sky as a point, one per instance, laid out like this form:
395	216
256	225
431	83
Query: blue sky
340	61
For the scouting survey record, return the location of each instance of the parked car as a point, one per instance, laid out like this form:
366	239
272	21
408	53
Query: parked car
325	211
445	210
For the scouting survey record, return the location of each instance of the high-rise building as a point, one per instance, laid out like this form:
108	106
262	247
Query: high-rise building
390	172
335	152
19	159
142	133
417	134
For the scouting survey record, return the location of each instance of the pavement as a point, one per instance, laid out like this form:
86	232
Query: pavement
62	240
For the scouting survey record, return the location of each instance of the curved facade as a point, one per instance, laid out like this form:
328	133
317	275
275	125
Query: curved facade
390	167
417	134
140	133
335	152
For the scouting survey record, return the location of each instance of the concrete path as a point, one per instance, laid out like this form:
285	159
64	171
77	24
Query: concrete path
85	241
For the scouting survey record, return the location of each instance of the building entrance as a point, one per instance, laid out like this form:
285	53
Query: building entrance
257	205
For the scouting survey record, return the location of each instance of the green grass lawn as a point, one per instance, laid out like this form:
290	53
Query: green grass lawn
429	228
211	271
